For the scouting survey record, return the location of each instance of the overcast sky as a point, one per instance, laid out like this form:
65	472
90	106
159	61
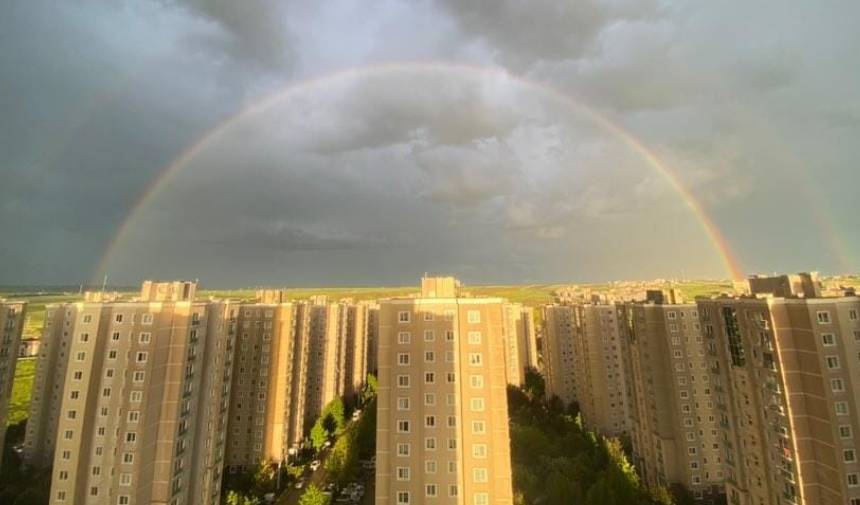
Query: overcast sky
461	161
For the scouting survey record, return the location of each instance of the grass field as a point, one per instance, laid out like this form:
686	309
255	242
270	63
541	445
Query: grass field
19	404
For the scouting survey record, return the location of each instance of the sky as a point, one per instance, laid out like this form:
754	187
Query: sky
367	142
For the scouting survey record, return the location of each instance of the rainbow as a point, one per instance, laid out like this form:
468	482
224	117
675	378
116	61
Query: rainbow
731	264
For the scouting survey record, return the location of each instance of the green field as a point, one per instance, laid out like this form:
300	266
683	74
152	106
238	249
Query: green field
19	405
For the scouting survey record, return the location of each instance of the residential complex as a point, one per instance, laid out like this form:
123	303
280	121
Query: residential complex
673	429
442	427
520	343
558	358
12	315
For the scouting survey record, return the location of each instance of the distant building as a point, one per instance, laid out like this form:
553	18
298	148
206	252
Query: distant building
520	343
29	348
786	382
131	398
442	428
12	317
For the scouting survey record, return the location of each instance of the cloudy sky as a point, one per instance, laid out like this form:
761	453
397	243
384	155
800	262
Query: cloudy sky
351	142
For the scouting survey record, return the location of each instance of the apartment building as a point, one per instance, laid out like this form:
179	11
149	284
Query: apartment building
131	398
673	423
372	337
12	317
263	389
598	371
356	352
559	359
520	343
786	373
442	432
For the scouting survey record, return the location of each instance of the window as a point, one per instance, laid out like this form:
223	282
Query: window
476	359
403	359
403	498
430	466
449	335
482	499
430	490
403	450
133	416
128	458
429	357
142	357
428	316
429	399
88	318
145	337
404	337
402	426
429	421
451	377
823	317
130	437
476	381
479	427
118	318
476	404
115	336
146	319
452	490
852	314
429	378
403	403
845	431
74	395
85	337
479	451
475	337
473	316
841	408
136	396
853	480
452	421
403	381
403	316
832	362
449	356
828	339
430	443
848	456
139	376
837	385
429	336
403	473
479	474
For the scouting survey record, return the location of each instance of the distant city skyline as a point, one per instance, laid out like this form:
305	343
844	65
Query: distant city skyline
285	143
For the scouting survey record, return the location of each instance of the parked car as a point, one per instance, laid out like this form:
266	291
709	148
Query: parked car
315	464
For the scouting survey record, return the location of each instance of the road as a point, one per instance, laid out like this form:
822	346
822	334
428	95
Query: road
291	495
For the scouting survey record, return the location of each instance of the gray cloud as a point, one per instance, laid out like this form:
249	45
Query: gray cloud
377	179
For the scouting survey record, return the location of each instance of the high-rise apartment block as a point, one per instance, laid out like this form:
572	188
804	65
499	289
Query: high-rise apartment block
786	379
442	428
673	428
131	398
520	343
599	372
12	315
559	359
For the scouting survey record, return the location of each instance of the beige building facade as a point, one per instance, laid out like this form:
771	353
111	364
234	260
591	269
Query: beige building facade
673	429
442	432
12	317
131	398
786	372
520	343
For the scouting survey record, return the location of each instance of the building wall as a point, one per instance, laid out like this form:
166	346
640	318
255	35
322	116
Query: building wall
673	422
559	357
12	317
442	372
790	370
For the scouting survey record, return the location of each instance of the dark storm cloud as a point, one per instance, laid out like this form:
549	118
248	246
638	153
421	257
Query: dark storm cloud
375	180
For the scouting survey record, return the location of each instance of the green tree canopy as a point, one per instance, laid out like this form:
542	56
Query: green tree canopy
313	496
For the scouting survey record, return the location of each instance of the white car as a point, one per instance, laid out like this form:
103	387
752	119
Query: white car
314	465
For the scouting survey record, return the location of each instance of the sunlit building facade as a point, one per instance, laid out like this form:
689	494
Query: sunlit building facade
786	377
130	399
442	432
559	360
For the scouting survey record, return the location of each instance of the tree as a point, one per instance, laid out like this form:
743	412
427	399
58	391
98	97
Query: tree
535	385
318	435
234	498
313	496
32	496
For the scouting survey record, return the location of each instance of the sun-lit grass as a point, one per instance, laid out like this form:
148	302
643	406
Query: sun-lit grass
19	404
